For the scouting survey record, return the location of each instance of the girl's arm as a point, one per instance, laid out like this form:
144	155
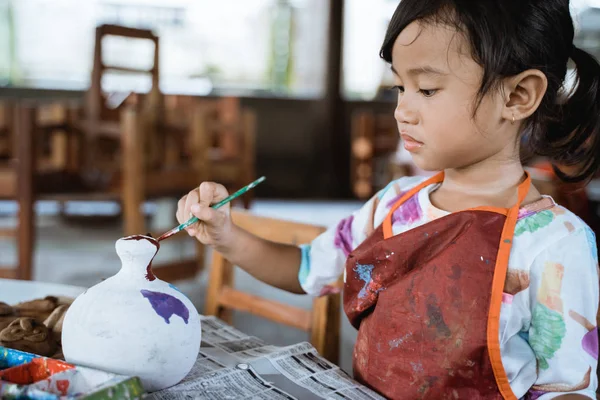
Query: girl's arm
273	263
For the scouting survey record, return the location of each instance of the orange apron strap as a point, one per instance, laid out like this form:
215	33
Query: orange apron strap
387	222
493	326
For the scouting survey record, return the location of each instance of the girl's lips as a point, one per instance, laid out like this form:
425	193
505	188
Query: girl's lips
410	143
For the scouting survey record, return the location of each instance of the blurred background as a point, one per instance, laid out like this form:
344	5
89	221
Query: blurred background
111	110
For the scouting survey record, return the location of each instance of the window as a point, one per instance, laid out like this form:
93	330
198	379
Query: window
253	45
365	23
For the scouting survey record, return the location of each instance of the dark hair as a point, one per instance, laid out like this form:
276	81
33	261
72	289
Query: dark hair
508	37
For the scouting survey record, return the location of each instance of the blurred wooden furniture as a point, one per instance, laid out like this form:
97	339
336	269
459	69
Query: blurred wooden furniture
58	171
39	155
58	152
134	150
58	141
100	119
17	182
101	123
322	322
225	147
29	175
374	140
172	151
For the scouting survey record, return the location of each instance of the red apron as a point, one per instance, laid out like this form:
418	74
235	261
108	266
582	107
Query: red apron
426	304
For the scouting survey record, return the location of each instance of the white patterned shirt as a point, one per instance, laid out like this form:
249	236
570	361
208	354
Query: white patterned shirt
548	333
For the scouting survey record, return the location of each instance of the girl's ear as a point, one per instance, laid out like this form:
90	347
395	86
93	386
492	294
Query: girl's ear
525	93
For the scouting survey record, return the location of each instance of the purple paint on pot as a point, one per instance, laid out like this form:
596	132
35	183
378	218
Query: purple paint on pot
166	305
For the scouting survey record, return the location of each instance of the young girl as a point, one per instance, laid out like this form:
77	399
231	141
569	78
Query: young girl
469	284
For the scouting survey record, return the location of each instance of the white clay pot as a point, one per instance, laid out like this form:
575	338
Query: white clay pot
133	323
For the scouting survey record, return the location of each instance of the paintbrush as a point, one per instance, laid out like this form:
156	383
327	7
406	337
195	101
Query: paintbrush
226	200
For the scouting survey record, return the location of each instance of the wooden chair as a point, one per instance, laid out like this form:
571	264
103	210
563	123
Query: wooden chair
322	322
100	119
101	124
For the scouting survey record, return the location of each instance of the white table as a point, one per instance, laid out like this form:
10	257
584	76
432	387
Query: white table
15	291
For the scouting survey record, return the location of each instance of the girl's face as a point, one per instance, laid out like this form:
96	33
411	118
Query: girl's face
438	83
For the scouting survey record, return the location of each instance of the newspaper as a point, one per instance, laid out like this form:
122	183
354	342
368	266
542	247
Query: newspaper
233	365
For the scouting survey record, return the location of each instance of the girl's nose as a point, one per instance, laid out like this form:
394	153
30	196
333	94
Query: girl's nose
404	113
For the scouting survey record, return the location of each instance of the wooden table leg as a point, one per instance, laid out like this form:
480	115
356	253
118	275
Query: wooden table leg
25	146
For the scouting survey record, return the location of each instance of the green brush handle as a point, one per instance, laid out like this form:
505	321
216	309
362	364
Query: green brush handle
220	204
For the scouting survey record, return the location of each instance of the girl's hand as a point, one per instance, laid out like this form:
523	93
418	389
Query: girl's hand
215	226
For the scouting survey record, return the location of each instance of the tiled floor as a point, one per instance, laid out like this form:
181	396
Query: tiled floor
82	253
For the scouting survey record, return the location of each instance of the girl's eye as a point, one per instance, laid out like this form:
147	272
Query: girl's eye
428	92
400	89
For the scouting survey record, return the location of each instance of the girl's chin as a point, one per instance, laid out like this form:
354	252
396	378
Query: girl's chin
426	164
